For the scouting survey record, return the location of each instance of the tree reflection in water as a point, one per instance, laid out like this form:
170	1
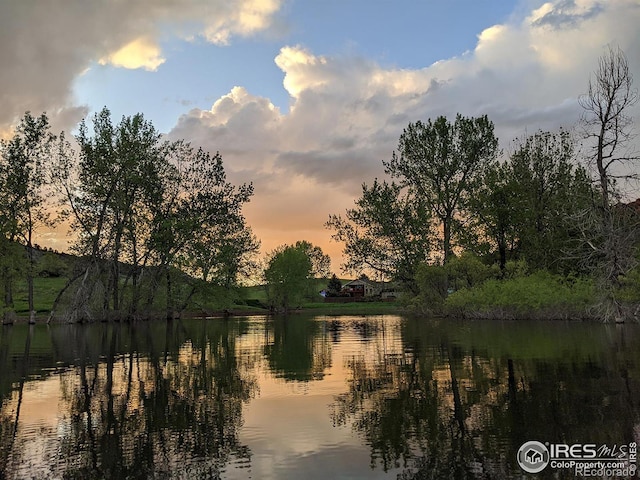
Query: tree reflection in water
427	398
297	348
138	403
460	399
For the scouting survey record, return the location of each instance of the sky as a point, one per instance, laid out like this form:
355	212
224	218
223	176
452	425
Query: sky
305	98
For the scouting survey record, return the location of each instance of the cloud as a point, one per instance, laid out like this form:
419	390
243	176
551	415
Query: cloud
248	18
140	53
347	112
248	127
45	46
567	13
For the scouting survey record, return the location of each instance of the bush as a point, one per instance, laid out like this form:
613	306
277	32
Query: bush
467	271
539	294
434	282
51	265
431	281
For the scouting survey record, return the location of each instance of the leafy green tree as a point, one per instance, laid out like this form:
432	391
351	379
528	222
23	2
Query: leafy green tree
290	271
334	287
24	193
524	207
320	263
466	271
145	211
441	162
198	223
550	188
224	254
435	282
389	232
110	186
496	211
432	287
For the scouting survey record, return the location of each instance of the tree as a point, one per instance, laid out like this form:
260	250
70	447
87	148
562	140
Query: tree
287	274
440	162
198	223
334	286
224	253
24	193
290	272
609	125
607	122
389	232
550	188
525	205
110	187
147	212
496	211
320	263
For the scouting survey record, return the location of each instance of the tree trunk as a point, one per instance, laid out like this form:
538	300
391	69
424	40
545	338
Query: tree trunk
135	294
9	315
115	271
30	270
446	246
502	251
171	314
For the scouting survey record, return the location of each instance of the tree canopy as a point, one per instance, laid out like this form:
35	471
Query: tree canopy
24	179
440	162
389	232
289	273
158	208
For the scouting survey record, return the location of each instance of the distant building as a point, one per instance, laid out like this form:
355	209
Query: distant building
360	288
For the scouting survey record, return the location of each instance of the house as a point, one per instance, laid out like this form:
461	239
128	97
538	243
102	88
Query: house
360	288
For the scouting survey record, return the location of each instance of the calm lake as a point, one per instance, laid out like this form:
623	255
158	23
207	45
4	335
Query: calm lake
310	397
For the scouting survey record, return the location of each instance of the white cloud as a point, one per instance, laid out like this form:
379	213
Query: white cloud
248	18
347	113
44	46
140	53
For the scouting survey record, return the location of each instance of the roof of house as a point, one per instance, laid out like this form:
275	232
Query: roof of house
359	281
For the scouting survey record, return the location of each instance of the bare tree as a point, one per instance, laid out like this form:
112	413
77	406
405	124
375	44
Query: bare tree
607	121
609	125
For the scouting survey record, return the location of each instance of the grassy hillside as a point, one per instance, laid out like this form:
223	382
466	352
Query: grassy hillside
53	270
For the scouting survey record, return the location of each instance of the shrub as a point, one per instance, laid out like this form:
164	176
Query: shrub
466	271
432	285
532	295
51	265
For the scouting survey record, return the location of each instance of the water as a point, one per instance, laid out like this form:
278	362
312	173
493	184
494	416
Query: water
309	397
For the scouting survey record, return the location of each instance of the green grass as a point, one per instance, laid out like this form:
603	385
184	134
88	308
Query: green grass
45	291
47	288
251	298
254	292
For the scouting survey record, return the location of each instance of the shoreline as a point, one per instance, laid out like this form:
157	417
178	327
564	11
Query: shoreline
499	314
